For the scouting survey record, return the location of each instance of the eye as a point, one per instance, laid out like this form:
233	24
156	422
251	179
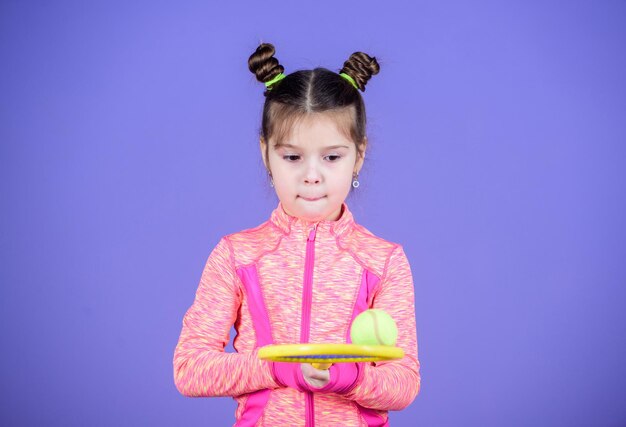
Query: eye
333	157
291	157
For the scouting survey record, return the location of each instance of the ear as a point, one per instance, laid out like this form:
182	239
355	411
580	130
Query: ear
263	146
360	157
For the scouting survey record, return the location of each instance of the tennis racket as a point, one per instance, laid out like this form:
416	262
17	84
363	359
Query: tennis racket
322	356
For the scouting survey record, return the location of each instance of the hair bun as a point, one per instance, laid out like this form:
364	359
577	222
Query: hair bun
361	67
263	64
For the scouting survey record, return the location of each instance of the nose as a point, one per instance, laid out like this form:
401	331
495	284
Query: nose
312	174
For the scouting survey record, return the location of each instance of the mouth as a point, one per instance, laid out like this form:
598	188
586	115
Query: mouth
312	199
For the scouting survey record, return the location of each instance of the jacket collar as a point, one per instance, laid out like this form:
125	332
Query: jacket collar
287	223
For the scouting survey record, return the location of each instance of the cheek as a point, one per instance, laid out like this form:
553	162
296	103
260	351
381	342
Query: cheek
342	184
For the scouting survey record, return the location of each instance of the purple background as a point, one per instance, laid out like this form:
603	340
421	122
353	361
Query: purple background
497	149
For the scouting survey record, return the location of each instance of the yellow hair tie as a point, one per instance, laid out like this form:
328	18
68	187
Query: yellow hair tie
350	79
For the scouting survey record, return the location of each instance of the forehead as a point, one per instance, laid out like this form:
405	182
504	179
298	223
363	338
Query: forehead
317	130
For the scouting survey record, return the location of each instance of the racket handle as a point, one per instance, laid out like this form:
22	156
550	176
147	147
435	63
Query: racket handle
321	365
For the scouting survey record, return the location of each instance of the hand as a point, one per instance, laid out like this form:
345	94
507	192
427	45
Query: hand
315	377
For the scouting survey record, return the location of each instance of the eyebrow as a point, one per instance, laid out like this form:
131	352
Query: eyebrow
331	147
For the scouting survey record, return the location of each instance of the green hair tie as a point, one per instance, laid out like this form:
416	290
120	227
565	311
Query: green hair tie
350	79
281	76
274	80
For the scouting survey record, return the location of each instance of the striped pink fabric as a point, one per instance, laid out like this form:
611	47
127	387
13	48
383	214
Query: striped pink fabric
261	272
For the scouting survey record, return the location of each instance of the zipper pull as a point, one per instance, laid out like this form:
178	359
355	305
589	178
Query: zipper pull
312	233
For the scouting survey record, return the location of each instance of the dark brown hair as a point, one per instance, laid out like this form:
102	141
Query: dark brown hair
312	91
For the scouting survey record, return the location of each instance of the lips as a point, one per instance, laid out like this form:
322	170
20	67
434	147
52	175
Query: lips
311	199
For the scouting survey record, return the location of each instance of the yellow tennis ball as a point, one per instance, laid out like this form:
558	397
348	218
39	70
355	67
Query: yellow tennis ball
374	327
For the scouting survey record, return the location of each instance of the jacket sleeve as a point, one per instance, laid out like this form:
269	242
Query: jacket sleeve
201	367
393	385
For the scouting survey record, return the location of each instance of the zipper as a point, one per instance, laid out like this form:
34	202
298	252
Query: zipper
308	286
307	297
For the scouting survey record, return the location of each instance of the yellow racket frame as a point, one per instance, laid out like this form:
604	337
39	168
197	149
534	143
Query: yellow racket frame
304	353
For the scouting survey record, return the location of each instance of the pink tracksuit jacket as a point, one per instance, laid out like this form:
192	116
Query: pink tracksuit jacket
292	281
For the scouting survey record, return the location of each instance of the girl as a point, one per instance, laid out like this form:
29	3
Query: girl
304	274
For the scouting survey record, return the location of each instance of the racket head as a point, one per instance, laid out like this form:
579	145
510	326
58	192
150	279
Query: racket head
329	353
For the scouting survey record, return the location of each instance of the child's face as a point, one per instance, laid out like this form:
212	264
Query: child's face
313	170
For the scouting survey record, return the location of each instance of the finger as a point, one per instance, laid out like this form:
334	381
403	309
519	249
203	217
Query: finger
317	374
320	375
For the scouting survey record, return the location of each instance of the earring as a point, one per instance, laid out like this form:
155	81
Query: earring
355	180
271	179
